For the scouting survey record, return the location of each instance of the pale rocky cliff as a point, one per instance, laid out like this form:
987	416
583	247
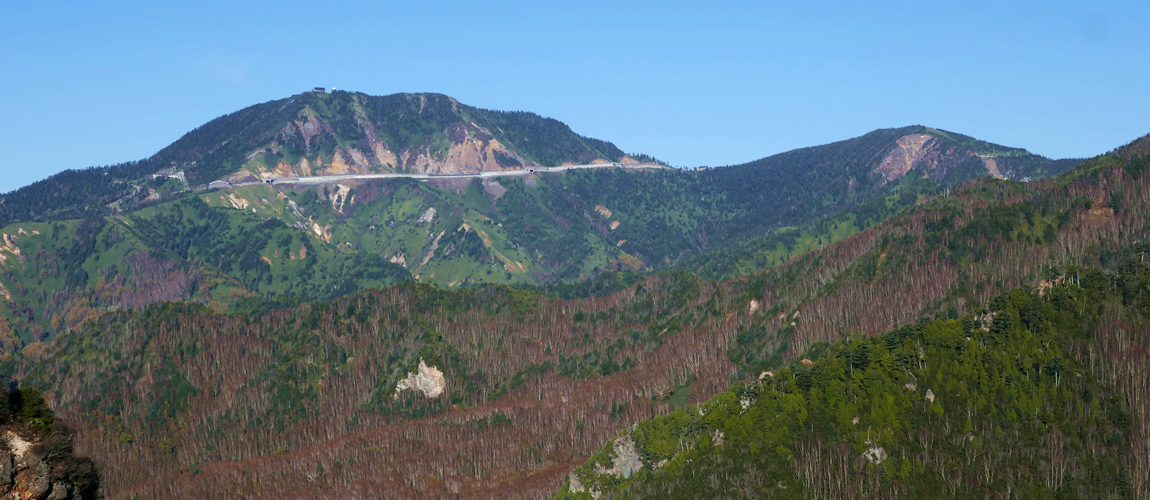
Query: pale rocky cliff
25	473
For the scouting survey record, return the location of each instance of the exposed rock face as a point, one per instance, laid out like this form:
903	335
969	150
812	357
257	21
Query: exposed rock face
25	476
991	166
932	156
627	460
60	491
428	380
9	248
908	150
875	454
339	197
469	148
576	484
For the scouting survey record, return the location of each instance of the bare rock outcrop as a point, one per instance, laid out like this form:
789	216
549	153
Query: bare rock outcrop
627	460
428	380
25	475
933	157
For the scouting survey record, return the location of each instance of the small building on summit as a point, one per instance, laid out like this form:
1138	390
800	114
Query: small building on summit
319	90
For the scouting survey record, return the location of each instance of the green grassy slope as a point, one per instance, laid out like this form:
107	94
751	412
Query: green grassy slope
58	275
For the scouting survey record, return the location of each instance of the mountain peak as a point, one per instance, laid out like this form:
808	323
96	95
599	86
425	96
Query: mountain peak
343	132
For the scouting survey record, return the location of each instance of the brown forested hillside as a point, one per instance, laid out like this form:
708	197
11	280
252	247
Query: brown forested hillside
305	398
953	251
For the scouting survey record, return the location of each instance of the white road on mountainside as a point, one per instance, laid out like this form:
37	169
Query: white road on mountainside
324	179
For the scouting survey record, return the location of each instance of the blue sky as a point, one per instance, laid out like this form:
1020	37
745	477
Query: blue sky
692	83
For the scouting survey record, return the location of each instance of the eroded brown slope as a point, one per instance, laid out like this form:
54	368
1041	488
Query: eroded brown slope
934	157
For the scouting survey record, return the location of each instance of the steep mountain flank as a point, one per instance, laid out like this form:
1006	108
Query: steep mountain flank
808	184
570	226
1013	400
317	242
344	132
311	134
943	159
909	150
55	276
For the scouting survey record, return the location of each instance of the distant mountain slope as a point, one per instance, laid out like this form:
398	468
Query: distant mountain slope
852	185
342	132
832	177
313	133
547	228
178	400
540	229
345	132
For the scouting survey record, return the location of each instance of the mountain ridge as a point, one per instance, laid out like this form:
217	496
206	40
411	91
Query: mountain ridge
349	132
329	132
163	242
356	132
